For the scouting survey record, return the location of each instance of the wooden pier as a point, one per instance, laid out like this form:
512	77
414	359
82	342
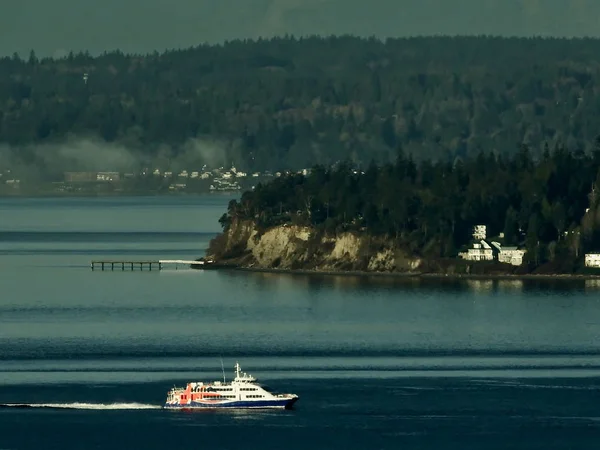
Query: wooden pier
158	264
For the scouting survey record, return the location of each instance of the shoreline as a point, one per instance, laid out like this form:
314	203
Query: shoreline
54	195
412	275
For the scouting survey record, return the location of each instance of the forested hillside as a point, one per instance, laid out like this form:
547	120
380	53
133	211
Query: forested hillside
292	103
550	207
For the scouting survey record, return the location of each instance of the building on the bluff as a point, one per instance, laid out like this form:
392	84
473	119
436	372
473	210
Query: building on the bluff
483	249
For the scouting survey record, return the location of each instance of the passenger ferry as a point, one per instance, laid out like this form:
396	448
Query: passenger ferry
242	392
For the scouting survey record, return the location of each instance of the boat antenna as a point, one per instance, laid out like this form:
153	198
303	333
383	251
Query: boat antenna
223	369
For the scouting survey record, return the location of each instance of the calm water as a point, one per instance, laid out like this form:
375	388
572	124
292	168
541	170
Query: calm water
378	364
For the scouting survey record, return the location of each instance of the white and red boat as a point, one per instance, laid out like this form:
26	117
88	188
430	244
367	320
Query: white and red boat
242	392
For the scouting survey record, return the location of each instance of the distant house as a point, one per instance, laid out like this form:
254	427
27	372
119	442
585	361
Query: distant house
222	184
108	176
592	260
481	251
511	255
479	232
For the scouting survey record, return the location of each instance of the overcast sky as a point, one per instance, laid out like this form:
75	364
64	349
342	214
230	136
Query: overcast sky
52	27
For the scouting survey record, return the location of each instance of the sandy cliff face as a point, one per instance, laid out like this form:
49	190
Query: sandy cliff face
296	247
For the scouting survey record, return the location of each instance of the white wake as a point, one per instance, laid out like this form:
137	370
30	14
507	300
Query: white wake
94	406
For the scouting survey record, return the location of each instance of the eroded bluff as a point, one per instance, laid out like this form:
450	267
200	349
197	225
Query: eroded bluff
302	248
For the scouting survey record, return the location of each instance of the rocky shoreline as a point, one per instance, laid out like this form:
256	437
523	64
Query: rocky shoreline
296	250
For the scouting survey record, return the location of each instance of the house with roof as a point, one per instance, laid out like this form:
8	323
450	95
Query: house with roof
480	251
592	260
511	255
483	249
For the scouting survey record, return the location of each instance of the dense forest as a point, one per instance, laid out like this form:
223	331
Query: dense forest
550	207
292	103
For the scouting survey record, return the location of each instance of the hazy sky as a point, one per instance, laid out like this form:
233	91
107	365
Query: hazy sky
51	27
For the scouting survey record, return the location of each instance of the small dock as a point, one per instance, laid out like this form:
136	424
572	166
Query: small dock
148	265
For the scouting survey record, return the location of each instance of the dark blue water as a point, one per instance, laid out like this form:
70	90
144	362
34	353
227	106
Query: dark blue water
347	413
86	358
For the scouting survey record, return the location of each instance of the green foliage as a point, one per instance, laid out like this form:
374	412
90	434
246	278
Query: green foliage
431	208
288	102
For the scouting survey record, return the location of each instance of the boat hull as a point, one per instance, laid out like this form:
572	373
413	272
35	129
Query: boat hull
261	404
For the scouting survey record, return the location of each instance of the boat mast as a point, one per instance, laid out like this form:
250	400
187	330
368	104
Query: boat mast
223	370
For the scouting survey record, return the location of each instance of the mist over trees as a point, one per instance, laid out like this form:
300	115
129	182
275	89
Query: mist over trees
292	103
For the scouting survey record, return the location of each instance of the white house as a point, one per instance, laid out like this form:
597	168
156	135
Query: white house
489	251
592	260
511	255
107	176
481	251
479	232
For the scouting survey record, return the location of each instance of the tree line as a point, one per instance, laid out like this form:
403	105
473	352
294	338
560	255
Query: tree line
549	205
295	102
